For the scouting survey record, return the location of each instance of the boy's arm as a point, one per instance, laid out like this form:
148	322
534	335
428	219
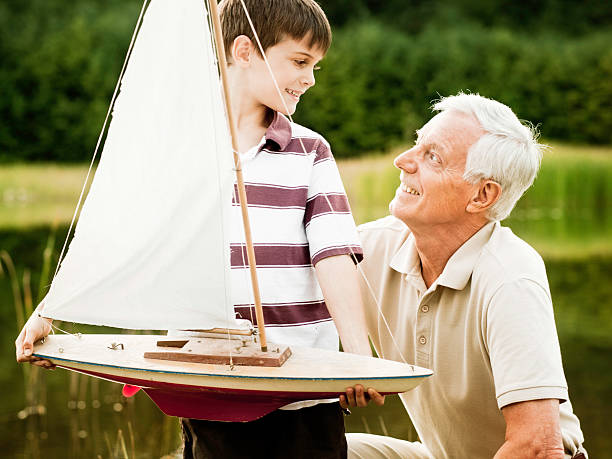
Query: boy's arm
34	329
338	279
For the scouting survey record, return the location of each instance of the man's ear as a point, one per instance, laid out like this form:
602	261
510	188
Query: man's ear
487	194
242	50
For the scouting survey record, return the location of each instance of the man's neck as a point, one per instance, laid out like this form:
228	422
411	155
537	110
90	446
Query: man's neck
436	247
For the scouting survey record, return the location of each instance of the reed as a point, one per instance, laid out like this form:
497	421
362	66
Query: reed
23	303
7	268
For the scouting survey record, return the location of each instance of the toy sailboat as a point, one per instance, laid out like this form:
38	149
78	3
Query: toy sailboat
151	248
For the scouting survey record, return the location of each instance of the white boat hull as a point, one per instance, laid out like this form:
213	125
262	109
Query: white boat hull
224	392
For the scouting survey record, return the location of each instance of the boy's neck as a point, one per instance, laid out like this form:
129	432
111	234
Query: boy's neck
251	123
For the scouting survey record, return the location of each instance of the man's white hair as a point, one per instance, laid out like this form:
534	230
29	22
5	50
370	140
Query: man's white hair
507	153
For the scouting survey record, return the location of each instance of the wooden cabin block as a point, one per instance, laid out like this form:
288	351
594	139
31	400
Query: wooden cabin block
218	351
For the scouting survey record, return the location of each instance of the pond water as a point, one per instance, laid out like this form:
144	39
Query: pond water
61	414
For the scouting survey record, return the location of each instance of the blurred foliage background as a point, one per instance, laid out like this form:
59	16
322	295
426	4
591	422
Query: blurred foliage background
551	61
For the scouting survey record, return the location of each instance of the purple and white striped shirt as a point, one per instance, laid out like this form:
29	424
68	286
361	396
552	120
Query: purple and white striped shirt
291	179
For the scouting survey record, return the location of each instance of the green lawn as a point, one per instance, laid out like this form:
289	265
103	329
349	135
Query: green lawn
39	194
567	213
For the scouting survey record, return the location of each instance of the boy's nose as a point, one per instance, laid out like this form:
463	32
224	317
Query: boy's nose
308	79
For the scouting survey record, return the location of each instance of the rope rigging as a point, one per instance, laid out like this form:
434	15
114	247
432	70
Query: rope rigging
244	264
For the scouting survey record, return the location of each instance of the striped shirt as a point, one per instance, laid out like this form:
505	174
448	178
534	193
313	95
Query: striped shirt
299	214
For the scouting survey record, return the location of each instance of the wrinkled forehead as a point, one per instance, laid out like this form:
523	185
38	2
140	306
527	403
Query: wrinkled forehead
451	124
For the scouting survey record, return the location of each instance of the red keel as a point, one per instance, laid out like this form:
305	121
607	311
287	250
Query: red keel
213	403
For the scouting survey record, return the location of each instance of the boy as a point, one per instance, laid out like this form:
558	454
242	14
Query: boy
291	179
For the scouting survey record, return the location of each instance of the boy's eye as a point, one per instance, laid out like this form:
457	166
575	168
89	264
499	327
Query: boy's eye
300	62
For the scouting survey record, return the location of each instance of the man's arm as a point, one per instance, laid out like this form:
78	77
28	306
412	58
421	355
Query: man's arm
532	430
338	279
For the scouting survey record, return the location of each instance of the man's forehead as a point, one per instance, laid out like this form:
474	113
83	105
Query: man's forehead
449	122
426	128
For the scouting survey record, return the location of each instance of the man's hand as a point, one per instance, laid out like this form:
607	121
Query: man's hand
36	328
358	396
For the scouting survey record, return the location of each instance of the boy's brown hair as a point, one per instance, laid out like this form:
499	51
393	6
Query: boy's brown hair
274	20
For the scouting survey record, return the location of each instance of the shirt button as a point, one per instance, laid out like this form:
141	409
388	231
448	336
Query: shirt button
425	308
423	340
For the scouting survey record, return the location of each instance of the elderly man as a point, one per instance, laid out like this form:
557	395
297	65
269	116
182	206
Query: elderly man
466	297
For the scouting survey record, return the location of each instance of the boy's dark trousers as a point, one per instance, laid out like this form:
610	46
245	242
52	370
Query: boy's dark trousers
316	432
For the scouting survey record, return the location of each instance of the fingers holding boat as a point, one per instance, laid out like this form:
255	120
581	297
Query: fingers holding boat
358	396
35	329
376	397
347	399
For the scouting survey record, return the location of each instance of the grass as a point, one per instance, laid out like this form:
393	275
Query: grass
39	194
567	213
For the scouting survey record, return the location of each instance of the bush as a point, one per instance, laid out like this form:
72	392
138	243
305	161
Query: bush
60	61
377	83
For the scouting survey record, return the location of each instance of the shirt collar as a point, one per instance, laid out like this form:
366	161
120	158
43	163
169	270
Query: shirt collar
459	267
278	134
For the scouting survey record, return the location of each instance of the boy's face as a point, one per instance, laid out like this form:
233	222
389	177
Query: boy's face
293	64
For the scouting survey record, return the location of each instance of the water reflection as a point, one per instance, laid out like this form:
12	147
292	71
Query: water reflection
64	414
85	417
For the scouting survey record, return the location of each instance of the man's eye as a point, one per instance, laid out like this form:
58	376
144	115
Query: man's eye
433	157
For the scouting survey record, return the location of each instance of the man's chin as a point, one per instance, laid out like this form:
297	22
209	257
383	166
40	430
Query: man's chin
393	209
396	211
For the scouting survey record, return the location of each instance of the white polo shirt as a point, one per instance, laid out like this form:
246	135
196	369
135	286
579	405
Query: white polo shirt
485	327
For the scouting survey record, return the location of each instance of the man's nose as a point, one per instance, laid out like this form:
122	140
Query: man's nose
406	161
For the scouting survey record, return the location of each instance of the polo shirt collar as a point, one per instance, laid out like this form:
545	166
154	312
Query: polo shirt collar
278	134
459	267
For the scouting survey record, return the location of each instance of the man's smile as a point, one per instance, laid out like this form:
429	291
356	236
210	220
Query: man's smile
407	189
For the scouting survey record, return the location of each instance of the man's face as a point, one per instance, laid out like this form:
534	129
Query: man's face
293	64
432	190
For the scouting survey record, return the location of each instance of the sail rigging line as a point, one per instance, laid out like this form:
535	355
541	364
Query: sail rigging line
234	189
280	94
239	178
213	43
244	263
93	159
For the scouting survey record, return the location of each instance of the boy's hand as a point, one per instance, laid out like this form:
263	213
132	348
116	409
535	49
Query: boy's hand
36	328
358	396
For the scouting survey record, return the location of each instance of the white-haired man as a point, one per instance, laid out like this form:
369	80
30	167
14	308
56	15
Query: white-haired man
466	297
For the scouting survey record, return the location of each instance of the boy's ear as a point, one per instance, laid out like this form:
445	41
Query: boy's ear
242	50
487	194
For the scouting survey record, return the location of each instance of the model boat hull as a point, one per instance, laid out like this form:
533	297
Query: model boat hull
223	392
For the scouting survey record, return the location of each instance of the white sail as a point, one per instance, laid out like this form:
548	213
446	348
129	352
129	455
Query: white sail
150	250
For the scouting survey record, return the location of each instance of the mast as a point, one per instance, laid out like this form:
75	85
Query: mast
220	48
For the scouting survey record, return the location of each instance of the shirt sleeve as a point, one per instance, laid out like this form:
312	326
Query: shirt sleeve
329	224
523	344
